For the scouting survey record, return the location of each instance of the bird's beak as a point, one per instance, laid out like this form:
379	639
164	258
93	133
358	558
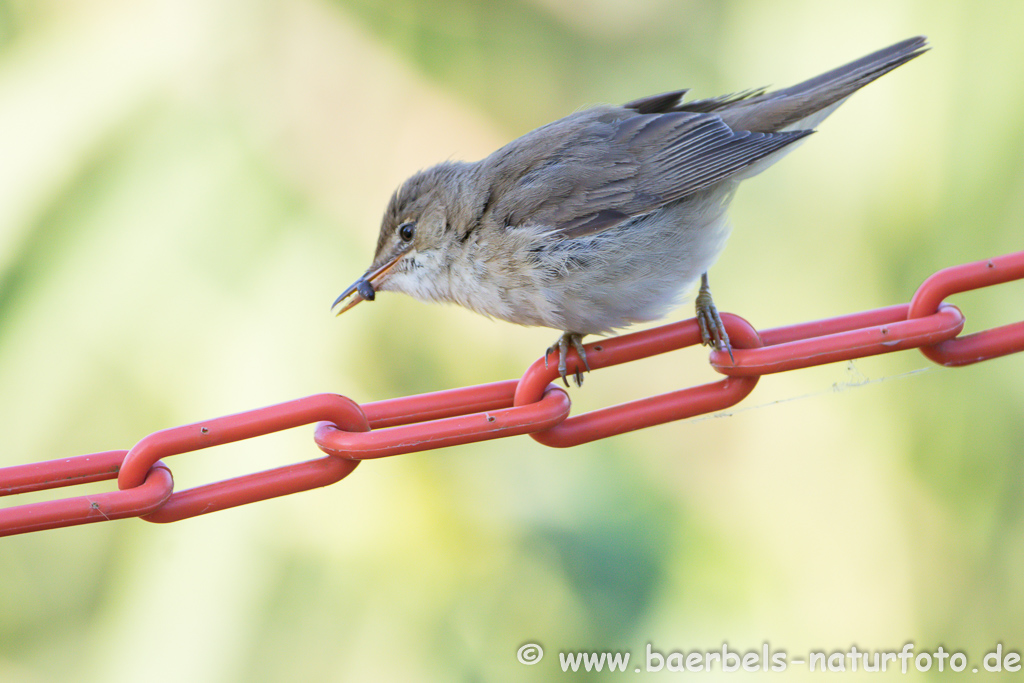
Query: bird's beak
363	289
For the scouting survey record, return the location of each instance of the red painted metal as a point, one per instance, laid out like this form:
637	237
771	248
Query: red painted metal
655	410
152	492
979	346
252	487
81	469
456	427
440	404
868	333
349	433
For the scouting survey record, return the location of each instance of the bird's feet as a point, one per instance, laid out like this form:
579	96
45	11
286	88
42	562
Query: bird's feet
712	331
562	346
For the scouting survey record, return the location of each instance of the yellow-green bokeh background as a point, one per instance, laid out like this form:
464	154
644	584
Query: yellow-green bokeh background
186	185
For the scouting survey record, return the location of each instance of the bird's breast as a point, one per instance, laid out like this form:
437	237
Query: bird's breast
633	272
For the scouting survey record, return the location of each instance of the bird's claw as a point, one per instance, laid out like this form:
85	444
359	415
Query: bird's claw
712	330
562	346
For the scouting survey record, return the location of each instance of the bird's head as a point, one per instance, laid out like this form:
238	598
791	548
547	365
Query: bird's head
417	236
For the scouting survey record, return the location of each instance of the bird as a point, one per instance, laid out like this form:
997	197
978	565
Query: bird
604	218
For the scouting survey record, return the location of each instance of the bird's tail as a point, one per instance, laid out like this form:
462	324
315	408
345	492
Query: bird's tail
806	104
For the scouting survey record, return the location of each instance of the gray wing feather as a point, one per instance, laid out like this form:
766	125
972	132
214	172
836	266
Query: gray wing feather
668	157
595	169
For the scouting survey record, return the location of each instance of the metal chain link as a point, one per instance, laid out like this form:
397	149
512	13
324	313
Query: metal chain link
349	432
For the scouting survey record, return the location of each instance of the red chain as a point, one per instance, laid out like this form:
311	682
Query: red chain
349	432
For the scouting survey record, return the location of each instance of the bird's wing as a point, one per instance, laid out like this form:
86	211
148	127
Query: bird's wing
673	101
595	169
647	161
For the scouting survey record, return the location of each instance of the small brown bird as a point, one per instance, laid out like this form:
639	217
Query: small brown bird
603	218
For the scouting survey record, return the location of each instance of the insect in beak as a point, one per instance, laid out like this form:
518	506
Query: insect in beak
363	288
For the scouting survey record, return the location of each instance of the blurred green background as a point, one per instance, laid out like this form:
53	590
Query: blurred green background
185	186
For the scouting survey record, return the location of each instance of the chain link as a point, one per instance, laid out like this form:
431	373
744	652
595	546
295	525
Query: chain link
349	433
979	346
647	412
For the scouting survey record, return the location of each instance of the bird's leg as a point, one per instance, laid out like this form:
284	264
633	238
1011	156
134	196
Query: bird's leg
712	331
562	346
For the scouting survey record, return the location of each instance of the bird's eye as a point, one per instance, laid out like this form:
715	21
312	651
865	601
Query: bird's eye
407	231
